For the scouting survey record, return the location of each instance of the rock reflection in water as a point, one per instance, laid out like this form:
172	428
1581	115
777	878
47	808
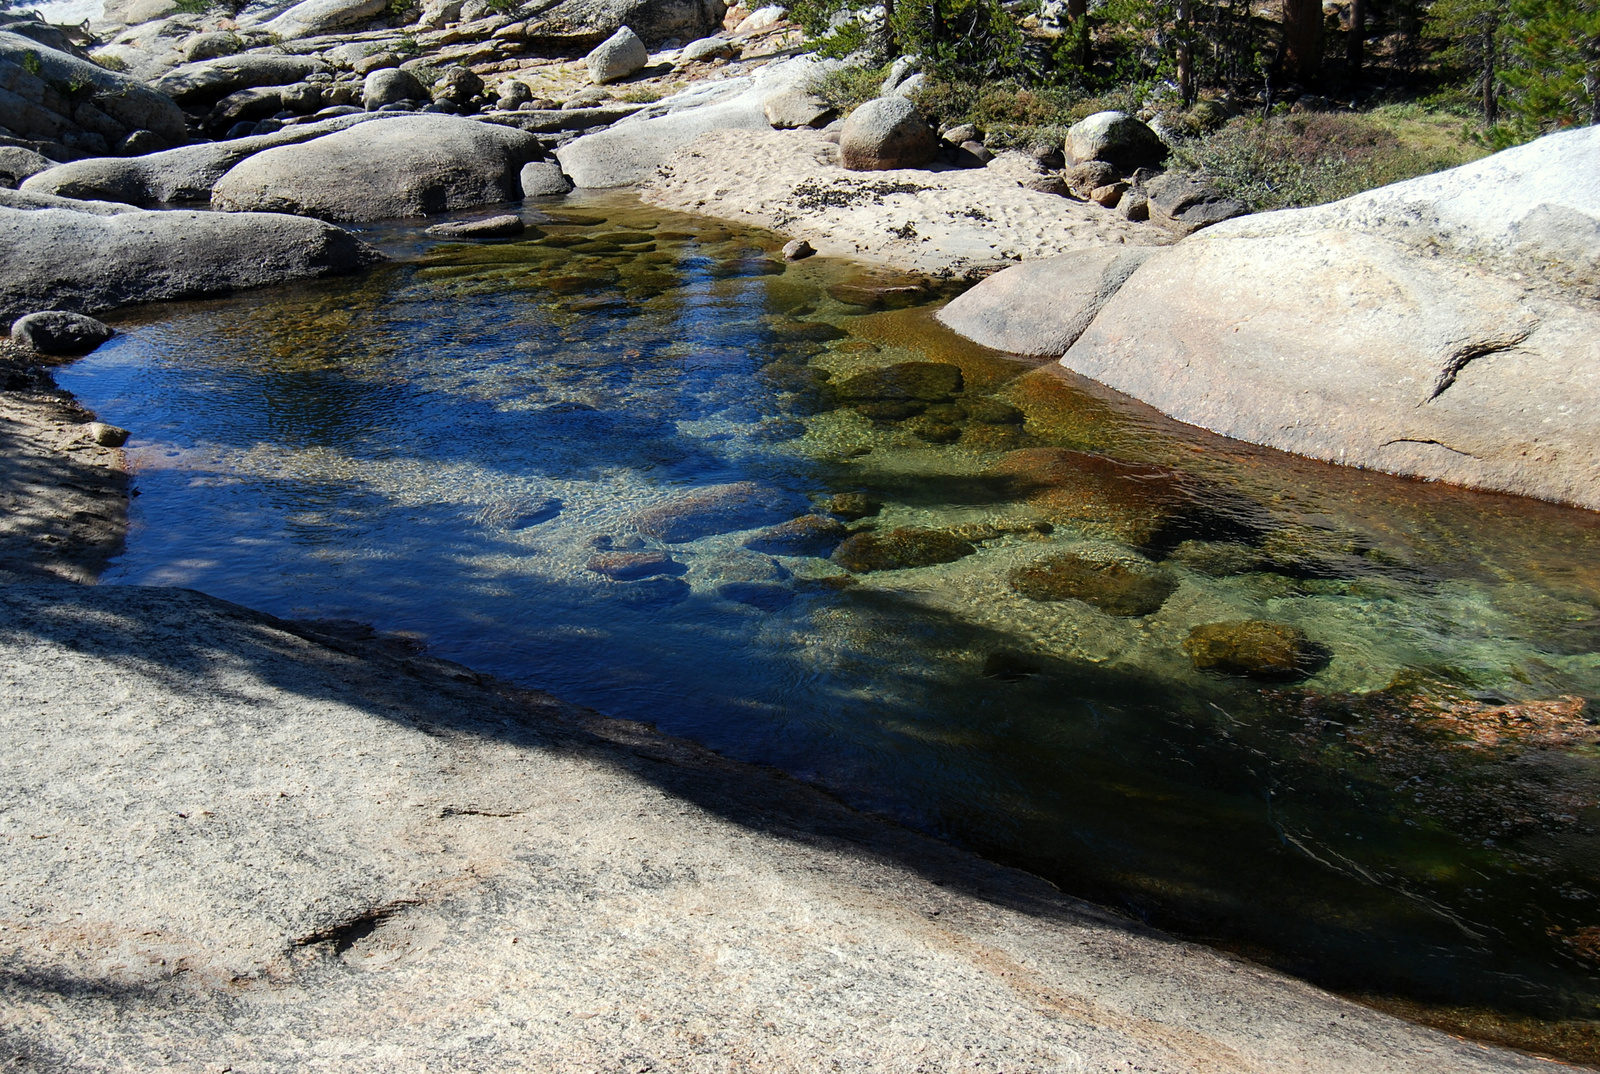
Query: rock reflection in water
629	457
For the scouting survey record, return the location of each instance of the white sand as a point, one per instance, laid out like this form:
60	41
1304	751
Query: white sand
951	222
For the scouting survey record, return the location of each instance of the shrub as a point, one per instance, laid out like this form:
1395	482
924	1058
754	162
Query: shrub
846	87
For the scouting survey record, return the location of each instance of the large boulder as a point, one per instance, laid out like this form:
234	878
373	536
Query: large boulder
85	263
313	17
886	133
409	165
1040	308
630	150
176	175
53	96
1438	327
59	332
390	85
207	83
1116	138
618	56
592	21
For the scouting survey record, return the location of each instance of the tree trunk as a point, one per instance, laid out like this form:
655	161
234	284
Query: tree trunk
1302	41
891	47
1078	24
1185	54
1491	102
1355	44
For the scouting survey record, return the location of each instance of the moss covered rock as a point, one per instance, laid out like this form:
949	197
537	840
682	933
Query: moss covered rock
1115	586
1258	648
900	549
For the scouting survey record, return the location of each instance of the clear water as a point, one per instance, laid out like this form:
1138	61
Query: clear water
443	445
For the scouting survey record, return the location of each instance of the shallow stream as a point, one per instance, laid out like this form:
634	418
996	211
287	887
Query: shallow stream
1390	788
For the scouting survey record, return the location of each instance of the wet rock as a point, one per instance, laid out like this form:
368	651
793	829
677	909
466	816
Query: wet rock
797	250
1221	559
900	549
105	435
1256	648
1116	586
873	293
618	56
1011	667
808	535
495	227
630	566
920	382
1002	527
517	513
993	412
58	332
1148	506
702	512
647	592
886	133
409	166
933	431
851	505
1116	138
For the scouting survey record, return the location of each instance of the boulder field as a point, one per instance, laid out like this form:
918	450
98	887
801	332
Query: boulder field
1442	327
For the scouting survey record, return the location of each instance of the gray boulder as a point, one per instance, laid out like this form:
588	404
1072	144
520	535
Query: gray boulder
1116	138
504	226
17	164
708	48
796	108
409	165
207	83
1186	205
176	175
258	102
630	150
391	86
618	56
209	46
59	332
1436	327
544	178
86	263
591	21
1040	308
886	133
103	109
313	17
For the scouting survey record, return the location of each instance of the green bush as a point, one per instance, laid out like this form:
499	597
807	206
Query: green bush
1288	161
846	87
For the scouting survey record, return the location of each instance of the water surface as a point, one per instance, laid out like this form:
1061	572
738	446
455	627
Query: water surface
444	447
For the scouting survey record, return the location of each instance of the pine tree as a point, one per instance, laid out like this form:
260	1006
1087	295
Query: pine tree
1554	76
1477	42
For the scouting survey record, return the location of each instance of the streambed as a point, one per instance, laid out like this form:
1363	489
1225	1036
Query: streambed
489	446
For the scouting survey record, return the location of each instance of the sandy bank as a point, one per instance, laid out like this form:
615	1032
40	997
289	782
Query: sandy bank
952	223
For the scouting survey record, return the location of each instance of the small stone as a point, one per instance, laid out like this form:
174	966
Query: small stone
106	435
1048	184
495	227
59	332
630	566
977	151
1115	586
1256	648
966	132
797	250
1109	195
1134	206
900	549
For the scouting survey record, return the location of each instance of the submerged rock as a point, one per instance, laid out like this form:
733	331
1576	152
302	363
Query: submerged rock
1138	503
1257	648
808	535
627	566
1116	586
900	549
851	505
56	332
702	512
495	227
914	382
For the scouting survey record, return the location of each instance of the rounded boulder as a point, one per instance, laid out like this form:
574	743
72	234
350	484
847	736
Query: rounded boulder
1116	138
59	332
886	133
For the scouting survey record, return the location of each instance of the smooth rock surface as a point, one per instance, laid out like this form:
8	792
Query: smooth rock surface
886	133
208	82
618	56
1040	308
237	842
631	149
310	18
1428	328
175	175
59	332
401	167
85	263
